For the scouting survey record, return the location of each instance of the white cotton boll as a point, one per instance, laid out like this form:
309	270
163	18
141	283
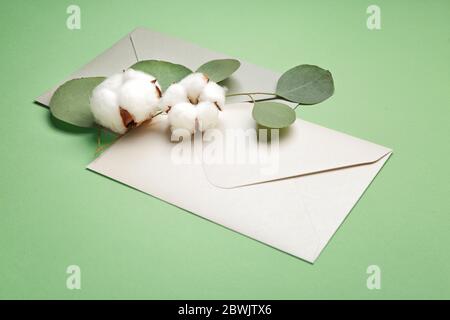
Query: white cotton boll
194	84
213	93
140	98
183	116
113	82
105	108
125	100
174	95
132	74
207	115
206	98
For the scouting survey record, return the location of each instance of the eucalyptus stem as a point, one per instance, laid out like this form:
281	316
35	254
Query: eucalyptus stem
99	141
100	146
158	113
251	97
252	93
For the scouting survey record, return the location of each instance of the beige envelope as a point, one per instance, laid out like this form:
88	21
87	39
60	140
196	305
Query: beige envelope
319	175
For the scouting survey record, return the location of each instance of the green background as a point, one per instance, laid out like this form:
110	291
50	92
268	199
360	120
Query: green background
392	87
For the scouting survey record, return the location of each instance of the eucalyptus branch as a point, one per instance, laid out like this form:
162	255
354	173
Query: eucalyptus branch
158	113
100	146
252	93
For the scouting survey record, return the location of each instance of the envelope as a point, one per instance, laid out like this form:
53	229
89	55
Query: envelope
293	200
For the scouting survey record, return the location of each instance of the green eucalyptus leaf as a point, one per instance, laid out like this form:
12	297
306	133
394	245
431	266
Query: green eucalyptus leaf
165	72
273	115
306	84
70	102
218	70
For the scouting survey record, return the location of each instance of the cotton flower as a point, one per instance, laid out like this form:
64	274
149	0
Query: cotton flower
183	116
207	115
194	85
132	74
193	102
125	100
214	93
175	94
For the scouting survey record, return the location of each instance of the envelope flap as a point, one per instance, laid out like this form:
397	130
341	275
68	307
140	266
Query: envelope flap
119	57
144	44
238	157
150	44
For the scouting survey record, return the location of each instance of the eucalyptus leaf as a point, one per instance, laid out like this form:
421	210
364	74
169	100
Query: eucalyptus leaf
70	103
165	72
306	84
218	70
273	115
